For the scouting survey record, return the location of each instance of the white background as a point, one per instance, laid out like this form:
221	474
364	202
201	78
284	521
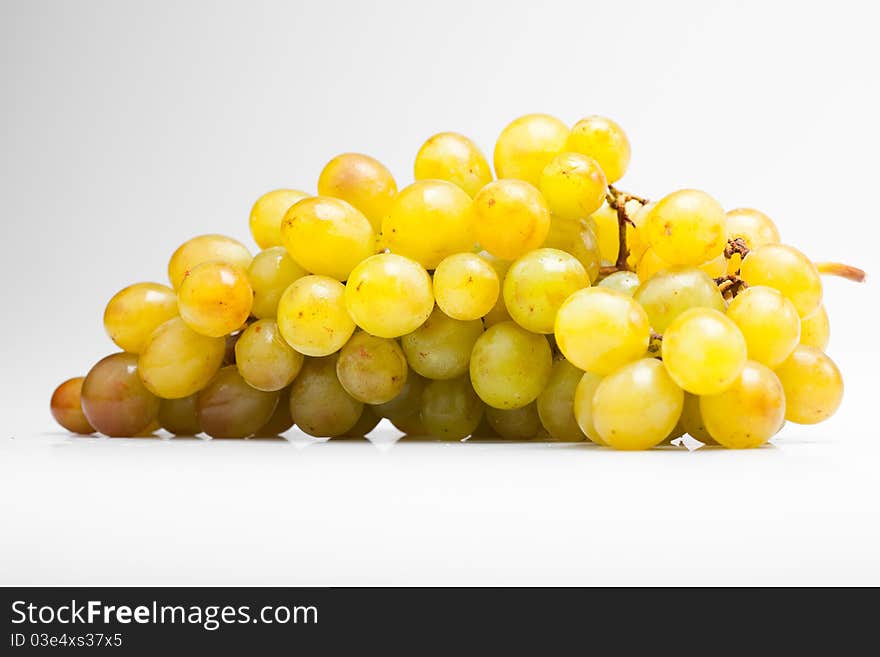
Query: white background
128	127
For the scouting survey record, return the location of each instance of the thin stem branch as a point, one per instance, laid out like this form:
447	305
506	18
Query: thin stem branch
848	272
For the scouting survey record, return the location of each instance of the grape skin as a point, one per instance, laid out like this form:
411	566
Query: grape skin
498	313
406	402
585	248
136	311
372	370
441	347
573	185
270	274
625	282
556	403
206	248
455	158
527	145
264	359
180	417
281	421
466	286
816	329
813	385
687	227
789	271
669	293
268	213
450	409
319	404
114	400
768	321
230	408
215	299
604	141
511	218
515	423
66	407
692	420
312	316
362	181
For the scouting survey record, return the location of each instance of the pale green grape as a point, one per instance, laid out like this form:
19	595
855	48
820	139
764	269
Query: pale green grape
687	227
751	226
585	248
527	145
604	141
768	321
626	282
515	423
319	404
114	400
555	404
813	385
264	359
573	185
511	218
372	370
466	286
136	311
215	299
583	406
268	213
407	400
66	407
787	270
230	408
498	313
281	421
362	181
178	362
271	273
180	416
312	316
365	424
669	293
441	347
206	248
455	158
816	329
692	420
450	409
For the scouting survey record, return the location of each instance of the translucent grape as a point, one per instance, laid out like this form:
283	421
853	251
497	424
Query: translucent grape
180	416
789	271
229	408
813	385
604	141
389	295
687	227
206	248
410	425
573	185
748	413
466	286
585	248
498	313
268	213
650	264
510	366
271	273
538	283
669	293
455	158
751	226
769	323
372	370
511	218
450	409
716	267
816	329
264	359
429	220
136	311
407	400
319	404
365	424
514	423
441	347
215	299
583	406
312	316
555	404
599	330
178	362
625	282
327	236
527	145
561	234
362	181
637	406
704	351
281	421
66	407
692	420
114	400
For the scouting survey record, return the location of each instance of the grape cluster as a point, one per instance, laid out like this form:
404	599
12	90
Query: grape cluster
544	304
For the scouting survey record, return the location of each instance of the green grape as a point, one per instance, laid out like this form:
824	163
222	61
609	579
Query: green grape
583	406
66	407
409	425
687	227
812	383
206	248
450	409
365	424
585	248
511	218
789	271
650	264
484	431
555	404
816	329
441	347
527	145
429	220
407	400
769	323
136	311
372	370
114	400
178	362
599	330
180	416
637	406
319	404
215	299
604	141
362	181
538	283
281	421
573	185
704	351
327	236
268	213
230	408
389	295
692	420
669	293
751	226
271	273
455	158
466	286
748	413
264	359
561	234
515	423
312	316
498	313
510	366
625	282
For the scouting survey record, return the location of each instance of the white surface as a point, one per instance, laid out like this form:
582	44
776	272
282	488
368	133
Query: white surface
129	127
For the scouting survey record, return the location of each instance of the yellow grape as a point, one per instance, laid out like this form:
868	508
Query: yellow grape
206	248
264	358
637	406
604	141
466	286
429	220
365	424
66	407
692	420
816	329
538	283
280	422
136	311
753	227
555	404
372	370
789	271
650	264
573	185
441	347
271	272
561	234
319	404
268	213
687	227
362	181
327	236
407	401
498	313
180	417
585	248
178	362
312	316
450	409
230	408
511	218
769	323
527	145
455	158
510	366
389	295
669	293
704	351
114	400
583	406
813	385
215	299
599	330
514	423
716	267
626	282
748	413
